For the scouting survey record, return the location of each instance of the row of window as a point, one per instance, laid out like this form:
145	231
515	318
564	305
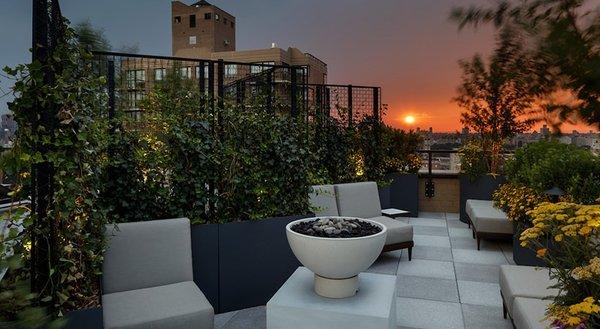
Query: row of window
207	16
136	79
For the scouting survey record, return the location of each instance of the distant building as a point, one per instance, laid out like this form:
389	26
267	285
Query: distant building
202	30
8	128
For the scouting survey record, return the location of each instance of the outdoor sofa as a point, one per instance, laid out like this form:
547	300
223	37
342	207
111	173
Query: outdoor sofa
148	278
487	221
524	291
361	200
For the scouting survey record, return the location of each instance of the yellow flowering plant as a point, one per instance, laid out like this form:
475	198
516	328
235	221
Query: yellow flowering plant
516	201
574	258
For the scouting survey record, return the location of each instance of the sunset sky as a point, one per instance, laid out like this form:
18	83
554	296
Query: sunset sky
409	48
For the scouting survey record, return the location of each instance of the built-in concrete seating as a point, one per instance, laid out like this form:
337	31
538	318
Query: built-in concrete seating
361	200
148	278
525	291
487	221
530	313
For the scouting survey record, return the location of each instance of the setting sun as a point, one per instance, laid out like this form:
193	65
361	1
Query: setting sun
409	119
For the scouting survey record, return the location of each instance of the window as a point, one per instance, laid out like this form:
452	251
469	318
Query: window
133	101
207	15
160	74
224	20
230	70
205	69
254	69
192	40
136	79
217	17
186	72
192	20
177	19
232	24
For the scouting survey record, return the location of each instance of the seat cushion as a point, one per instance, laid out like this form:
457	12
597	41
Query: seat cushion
486	218
322	200
147	254
524	281
529	313
180	305
398	231
358	199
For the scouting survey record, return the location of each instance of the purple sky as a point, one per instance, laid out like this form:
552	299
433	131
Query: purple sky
408	47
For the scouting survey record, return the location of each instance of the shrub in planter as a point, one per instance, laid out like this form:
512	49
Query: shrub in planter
574	262
547	164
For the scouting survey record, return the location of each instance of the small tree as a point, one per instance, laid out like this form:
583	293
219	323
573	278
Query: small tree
566	37
496	97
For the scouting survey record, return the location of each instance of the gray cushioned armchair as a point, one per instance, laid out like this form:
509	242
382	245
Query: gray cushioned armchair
148	278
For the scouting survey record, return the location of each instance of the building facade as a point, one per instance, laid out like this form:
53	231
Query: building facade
205	31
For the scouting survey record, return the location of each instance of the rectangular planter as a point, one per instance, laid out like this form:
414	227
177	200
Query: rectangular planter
524	256
254	262
403	192
205	260
480	189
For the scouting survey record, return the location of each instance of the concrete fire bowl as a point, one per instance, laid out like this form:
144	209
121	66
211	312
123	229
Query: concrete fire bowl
336	262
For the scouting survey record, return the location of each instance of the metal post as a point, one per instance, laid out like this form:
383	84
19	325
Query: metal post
270	89
211	85
42	247
202	84
350	114
110	75
319	101
220	88
294	91
239	92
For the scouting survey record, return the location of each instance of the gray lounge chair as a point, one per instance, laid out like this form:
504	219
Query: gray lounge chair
148	278
361	200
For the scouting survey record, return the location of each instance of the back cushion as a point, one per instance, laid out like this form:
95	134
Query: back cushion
358	199
322	200
147	254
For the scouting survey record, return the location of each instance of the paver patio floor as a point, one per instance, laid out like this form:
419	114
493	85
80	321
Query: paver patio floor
447	285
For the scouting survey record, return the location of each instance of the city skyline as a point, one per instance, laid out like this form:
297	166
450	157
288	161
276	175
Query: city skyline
409	48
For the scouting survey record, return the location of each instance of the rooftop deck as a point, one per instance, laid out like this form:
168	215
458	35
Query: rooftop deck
448	284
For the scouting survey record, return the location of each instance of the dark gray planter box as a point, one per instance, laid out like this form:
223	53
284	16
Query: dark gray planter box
481	189
254	262
242	264
402	193
88	318
525	256
205	260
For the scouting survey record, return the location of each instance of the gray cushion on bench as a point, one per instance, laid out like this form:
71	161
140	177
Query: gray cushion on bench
524	281
398	231
358	199
486	218
179	305
147	254
529	313
322	200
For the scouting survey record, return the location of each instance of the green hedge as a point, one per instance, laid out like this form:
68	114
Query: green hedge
546	164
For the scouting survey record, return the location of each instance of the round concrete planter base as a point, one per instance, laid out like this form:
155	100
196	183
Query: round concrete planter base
336	288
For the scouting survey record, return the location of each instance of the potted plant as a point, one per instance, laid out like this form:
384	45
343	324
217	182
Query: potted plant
574	262
516	201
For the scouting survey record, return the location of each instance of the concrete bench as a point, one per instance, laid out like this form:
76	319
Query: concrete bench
524	282
487	221
361	200
529	313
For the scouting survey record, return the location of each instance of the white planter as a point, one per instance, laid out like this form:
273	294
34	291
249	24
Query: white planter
336	262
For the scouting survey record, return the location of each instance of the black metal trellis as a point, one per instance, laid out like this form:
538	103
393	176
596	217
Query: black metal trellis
235	82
